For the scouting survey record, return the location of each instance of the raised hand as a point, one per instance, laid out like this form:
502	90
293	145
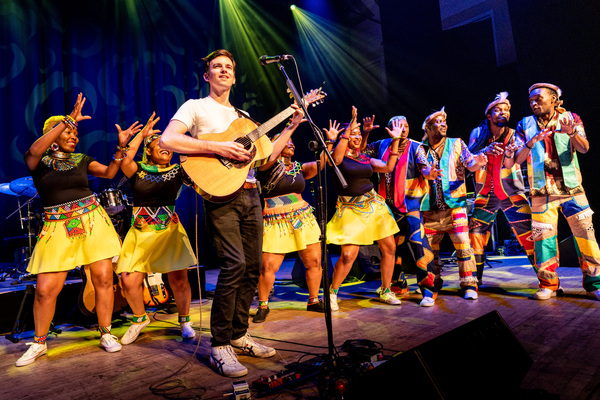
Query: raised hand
333	131
368	124
511	148
125	135
567	126
396	131
298	116
540	136
76	113
481	159
148	129
435	172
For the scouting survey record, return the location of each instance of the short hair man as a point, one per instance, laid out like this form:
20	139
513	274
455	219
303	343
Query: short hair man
552	138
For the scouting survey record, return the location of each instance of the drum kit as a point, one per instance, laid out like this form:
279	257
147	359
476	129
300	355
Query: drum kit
114	201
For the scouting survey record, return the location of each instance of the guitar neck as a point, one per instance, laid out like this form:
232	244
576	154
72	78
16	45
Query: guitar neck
270	124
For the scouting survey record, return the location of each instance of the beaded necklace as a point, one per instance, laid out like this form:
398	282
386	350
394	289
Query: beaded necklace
59	161
154	173
360	157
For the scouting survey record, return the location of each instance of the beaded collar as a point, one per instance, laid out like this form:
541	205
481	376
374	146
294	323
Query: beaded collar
59	163
360	157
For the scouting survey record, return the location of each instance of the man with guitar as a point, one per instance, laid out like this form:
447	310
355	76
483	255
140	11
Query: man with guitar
233	216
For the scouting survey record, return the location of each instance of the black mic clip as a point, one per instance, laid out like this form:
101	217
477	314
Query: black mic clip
264	60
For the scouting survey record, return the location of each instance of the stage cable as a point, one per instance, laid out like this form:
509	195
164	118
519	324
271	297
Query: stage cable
175	388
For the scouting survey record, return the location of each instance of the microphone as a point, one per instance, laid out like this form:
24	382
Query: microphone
264	60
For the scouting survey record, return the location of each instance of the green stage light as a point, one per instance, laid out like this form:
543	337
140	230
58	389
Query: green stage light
293	7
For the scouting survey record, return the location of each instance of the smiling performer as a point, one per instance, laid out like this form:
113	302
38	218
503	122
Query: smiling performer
156	242
498	188
448	199
361	215
552	138
290	224
77	230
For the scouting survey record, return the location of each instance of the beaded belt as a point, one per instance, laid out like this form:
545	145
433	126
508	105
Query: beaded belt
290	207
71	209
153	218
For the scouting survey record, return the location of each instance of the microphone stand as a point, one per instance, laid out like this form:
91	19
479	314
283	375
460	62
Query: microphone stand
321	195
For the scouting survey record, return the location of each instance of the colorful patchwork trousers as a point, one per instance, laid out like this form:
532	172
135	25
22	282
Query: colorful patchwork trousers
413	233
544	217
517	211
453	221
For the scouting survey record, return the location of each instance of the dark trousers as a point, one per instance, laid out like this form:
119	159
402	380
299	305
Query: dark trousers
236	231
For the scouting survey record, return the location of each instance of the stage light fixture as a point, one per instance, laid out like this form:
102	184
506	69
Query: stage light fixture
293	7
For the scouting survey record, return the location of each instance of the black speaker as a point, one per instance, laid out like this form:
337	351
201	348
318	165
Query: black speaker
480	359
367	264
567	253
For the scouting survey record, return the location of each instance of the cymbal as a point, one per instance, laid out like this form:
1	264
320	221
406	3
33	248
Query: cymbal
23	187
5	188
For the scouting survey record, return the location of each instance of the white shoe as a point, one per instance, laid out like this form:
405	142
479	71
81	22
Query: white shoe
249	346
224	360
470	294
187	332
427	302
110	343
389	297
134	331
334	302
544	294
35	350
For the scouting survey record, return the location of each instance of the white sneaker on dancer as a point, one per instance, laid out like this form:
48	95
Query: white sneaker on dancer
224	360
187	332
35	350
544	294
110	343
134	331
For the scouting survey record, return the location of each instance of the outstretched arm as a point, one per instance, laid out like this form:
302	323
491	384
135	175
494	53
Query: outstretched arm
309	169
109	171
128	166
395	134
41	145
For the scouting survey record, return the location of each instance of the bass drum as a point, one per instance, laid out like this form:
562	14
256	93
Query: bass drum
113	201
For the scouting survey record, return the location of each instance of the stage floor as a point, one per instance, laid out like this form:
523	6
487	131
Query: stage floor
559	334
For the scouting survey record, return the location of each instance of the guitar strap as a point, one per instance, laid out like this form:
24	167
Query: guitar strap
243	114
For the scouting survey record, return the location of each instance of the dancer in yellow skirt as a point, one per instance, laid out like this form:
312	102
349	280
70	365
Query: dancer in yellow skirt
77	230
156	242
362	216
289	223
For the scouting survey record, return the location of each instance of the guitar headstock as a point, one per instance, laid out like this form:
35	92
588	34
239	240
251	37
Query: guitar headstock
314	97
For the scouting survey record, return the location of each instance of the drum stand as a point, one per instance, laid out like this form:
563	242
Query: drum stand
20	271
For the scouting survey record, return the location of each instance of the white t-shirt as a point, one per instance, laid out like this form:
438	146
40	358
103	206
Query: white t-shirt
202	116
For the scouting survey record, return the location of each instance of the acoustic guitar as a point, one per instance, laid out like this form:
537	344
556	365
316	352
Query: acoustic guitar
155	292
87	294
217	178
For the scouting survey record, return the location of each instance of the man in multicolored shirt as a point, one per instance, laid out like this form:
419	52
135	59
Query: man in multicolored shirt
498	188
405	190
552	138
447	210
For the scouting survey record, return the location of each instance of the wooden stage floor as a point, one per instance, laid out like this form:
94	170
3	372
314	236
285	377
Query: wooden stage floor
560	335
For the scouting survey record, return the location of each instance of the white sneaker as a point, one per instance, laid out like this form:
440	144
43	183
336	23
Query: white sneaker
544	294
187	332
427	302
110	343
594	295
334	302
249	346
224	360
134	331
389	297
470	294
35	350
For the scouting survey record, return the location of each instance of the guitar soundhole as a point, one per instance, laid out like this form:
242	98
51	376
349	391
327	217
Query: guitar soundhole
247	143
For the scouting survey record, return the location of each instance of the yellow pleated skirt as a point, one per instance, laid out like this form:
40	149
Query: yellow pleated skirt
162	251
361	220
289	224
74	234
